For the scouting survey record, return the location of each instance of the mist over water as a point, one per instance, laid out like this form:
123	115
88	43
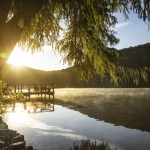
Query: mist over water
119	117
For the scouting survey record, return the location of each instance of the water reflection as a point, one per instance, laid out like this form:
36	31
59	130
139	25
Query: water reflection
82	114
121	107
57	130
30	107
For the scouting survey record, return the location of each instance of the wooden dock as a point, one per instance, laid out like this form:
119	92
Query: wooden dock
31	89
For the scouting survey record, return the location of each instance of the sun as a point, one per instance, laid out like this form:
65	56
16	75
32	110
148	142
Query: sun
47	60
16	61
18	58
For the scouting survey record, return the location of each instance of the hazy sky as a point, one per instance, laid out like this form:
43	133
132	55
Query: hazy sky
131	32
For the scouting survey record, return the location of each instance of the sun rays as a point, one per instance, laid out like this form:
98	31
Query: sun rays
19	58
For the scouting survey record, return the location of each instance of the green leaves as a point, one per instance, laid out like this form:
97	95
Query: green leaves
2	87
87	32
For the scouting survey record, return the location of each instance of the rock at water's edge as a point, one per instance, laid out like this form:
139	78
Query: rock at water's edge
18	145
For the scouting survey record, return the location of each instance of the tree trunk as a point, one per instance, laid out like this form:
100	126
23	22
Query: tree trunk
8	35
9	30
8	39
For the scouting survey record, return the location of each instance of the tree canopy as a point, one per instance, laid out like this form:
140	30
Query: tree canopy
87	27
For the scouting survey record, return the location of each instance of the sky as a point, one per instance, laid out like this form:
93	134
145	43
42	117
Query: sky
131	32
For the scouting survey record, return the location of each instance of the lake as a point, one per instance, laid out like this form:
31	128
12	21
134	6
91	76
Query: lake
117	116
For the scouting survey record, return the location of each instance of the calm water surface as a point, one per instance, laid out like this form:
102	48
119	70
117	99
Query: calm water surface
119	117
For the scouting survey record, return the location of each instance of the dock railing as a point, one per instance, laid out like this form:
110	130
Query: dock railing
32	89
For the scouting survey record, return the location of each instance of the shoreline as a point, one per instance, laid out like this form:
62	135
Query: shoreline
11	139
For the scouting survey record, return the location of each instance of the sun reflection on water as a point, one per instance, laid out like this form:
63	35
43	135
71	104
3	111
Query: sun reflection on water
17	118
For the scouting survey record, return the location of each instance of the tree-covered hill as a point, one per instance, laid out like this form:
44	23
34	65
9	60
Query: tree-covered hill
135	57
132	57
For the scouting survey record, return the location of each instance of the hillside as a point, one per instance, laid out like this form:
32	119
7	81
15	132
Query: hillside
133	57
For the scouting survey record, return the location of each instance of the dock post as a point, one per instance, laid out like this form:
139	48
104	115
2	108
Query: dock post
53	91
49	93
21	88
29	91
41	91
45	91
18	88
15	88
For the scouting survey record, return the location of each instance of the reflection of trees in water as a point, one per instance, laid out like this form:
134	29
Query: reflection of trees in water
3	109
29	106
130	110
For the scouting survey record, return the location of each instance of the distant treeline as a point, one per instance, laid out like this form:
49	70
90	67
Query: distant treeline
133	57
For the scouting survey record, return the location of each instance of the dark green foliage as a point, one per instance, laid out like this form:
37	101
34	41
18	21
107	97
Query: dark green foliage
88	145
2	89
87	34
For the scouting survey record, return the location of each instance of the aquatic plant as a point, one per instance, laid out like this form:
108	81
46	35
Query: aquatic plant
88	145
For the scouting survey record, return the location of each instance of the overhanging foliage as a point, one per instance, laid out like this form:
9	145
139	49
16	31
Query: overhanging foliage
87	35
